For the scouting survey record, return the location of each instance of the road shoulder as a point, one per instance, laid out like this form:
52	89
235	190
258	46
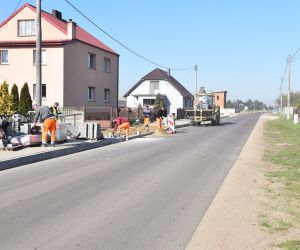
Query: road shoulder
231	222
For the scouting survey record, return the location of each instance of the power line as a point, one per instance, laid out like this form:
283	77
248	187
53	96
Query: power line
120	43
16	7
286	65
296	52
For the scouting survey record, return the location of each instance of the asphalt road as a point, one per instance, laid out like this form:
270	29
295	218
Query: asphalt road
147	193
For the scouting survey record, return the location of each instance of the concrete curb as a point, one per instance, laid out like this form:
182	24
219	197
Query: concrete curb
80	147
24	160
47	155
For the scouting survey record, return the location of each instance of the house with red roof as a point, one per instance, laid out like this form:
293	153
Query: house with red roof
144	92
77	68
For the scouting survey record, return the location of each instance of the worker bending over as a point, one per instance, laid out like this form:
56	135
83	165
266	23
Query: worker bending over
44	115
121	123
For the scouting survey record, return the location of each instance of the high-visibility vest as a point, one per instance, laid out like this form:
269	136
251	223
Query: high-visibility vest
55	112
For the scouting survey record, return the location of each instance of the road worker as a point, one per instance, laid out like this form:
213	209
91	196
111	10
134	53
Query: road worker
159	117
121	123
146	114
44	115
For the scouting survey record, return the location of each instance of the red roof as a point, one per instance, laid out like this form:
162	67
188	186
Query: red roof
81	34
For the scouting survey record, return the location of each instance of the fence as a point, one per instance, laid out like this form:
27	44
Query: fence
102	115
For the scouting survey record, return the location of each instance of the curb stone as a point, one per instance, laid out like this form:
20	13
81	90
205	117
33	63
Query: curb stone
47	155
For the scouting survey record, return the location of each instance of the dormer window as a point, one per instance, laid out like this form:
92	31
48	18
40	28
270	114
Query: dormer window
26	28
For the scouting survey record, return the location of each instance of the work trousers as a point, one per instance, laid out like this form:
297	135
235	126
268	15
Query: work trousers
146	121
49	125
158	123
125	126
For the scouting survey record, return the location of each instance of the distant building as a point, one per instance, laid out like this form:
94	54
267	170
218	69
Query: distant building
220	98
144	92
77	68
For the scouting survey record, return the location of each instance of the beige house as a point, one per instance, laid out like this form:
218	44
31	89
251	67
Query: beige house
77	69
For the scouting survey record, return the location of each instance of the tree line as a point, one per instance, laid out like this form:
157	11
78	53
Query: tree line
13	102
250	104
294	99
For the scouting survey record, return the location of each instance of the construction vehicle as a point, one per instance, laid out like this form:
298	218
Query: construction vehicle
204	110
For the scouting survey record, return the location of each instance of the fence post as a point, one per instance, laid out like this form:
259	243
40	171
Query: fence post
111	116
83	117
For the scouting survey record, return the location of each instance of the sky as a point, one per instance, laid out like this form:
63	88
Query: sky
240	46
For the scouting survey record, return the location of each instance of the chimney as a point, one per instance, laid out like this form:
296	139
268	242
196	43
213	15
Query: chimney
169	72
57	14
71	28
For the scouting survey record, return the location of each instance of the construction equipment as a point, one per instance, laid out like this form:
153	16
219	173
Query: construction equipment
204	110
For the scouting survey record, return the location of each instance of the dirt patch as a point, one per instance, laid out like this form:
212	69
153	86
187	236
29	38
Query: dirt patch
235	217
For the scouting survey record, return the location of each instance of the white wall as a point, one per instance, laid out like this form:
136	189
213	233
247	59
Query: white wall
165	88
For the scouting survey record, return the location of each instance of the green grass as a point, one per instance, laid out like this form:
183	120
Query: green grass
283	188
290	245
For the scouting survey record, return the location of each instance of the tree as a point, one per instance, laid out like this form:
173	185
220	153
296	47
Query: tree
5	100
15	97
25	103
159	101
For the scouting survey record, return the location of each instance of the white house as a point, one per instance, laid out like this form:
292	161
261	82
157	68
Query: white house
159	81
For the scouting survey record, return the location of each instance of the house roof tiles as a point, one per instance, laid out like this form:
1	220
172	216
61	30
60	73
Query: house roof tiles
158	74
81	34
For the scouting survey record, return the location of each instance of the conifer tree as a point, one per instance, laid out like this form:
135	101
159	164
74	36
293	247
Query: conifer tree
5	99
15	97
159	101
25	103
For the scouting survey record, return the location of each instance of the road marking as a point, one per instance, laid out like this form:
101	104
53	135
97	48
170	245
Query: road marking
141	140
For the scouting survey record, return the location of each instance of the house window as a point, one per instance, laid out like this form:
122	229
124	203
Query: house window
43	59
91	94
107	65
148	102
44	91
26	28
217	97
154	85
3	56
106	95
92	61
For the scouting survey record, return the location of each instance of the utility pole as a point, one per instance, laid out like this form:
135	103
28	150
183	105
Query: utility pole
196	70
38	65
289	87
281	84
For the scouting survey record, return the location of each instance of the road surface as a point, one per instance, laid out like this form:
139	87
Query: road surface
147	193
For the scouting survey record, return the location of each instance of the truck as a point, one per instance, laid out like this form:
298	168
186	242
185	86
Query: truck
204	110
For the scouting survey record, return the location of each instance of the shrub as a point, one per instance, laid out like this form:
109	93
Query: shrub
5	100
25	104
15	97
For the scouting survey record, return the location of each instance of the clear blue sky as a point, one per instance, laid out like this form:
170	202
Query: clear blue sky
239	46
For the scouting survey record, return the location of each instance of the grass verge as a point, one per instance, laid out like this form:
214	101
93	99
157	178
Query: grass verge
282	190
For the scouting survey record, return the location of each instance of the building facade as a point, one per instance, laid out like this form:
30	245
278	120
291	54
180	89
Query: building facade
77	68
144	92
220	98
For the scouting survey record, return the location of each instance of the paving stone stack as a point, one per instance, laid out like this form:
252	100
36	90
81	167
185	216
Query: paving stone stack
90	130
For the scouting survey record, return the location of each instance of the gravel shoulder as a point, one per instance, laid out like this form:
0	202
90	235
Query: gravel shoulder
231	222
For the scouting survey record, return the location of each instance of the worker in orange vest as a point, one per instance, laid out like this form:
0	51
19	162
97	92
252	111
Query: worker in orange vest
121	123
44	115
